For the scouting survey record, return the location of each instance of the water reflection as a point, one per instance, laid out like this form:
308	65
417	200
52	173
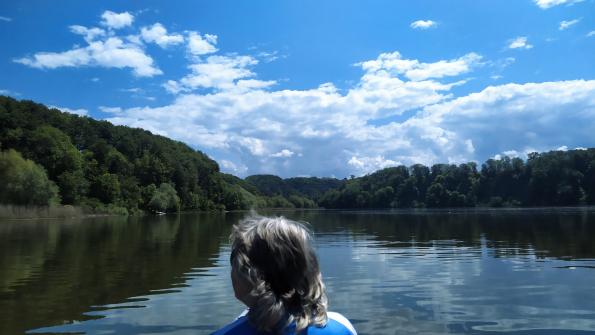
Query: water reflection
53	272
425	272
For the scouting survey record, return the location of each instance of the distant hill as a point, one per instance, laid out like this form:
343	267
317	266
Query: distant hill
310	187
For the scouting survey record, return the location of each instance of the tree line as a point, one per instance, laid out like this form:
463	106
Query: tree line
49	157
556	178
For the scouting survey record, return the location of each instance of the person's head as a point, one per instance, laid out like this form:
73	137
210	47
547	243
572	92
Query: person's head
275	273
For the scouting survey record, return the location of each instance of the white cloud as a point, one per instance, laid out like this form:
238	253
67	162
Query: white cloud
519	43
173	87
364	165
219	72
116	20
285	153
567	24
158	34
236	169
423	24
268	57
8	92
133	90
254	145
591	33
110	110
77	111
110	53
201	45
545	4
514	117
252	127
88	33
415	70
236	119
5	19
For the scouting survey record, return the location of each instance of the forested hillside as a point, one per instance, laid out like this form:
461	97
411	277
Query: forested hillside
98	165
50	157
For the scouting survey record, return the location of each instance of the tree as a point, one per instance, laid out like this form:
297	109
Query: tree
437	196
73	186
383	197
52	148
22	182
165	199
106	188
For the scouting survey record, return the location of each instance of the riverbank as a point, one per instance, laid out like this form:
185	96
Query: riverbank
12	212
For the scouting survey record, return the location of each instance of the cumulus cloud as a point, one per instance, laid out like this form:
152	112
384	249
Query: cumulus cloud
567	24
285	153
519	43
201	45
423	24
239	120
116	20
363	164
545	4
89	34
254	127
110	53
103	49
518	117
219	72
77	111
158	34
237	169
418	71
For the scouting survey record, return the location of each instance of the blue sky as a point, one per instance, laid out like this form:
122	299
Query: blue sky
319	88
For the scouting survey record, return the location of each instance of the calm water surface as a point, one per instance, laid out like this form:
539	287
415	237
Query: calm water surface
404	272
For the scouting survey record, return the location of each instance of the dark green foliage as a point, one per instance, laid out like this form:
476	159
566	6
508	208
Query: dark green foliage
269	185
73	186
312	187
94	162
106	188
24	182
556	178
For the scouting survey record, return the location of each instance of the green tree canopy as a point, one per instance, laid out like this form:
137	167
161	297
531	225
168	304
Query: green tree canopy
22	182
165	199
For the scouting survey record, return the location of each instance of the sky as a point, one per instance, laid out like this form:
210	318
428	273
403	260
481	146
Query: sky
316	88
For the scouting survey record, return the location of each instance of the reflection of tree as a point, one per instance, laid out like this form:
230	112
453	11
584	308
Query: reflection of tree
53	272
554	233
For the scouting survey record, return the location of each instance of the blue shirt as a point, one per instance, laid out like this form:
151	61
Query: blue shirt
337	325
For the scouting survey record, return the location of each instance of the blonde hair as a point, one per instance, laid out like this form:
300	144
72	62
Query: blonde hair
274	256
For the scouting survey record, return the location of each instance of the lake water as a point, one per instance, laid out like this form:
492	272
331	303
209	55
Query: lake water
390	272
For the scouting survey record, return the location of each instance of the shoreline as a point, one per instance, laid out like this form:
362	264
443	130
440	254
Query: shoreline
453	210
